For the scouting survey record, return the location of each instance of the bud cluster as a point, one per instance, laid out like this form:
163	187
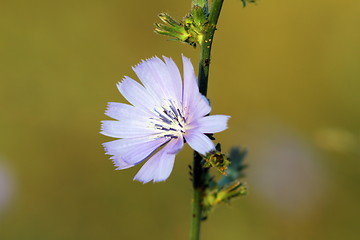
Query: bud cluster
229	185
217	160
193	27
190	30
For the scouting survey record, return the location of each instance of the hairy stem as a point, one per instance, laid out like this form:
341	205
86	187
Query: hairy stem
200	173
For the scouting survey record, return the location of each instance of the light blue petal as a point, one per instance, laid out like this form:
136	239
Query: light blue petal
199	108
129	152
121	164
138	154
190	89
126	129
159	78
176	78
149	79
158	168
137	95
176	145
199	142
122	111
212	124
121	146
194	102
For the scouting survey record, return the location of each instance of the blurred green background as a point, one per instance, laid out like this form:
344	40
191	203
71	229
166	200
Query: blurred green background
286	71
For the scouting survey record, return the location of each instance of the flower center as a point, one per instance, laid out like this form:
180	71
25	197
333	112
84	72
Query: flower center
170	120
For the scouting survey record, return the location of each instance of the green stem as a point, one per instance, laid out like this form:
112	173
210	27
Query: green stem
205	47
200	173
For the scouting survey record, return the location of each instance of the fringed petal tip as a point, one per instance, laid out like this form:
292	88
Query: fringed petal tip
145	61
159	167
119	164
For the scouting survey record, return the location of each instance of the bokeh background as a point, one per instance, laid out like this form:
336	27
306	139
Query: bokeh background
288	72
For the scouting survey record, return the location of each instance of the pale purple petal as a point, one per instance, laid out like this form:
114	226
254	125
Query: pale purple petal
191	89
121	111
176	78
129	152
121	147
159	78
126	129
199	142
178	144
147	77
195	104
200	107
138	154
136	94
121	164
212	124
159	166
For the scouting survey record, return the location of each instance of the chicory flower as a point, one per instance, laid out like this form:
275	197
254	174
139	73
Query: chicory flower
164	113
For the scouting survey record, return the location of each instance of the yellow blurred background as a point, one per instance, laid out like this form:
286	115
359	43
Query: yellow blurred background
288	72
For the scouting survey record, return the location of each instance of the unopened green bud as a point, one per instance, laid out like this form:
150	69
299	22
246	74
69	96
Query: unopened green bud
168	19
215	196
171	28
233	190
217	160
191	29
